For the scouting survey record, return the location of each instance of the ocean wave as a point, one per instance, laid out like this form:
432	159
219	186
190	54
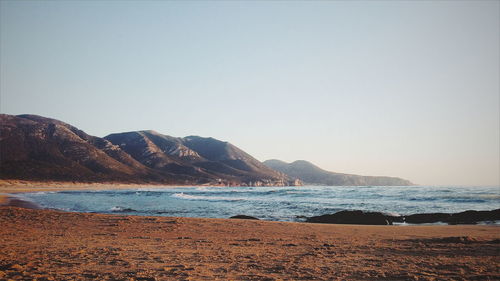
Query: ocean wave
281	203
201	197
394	214
487	196
90	191
249	190
41	192
466	200
119	209
224	190
424	199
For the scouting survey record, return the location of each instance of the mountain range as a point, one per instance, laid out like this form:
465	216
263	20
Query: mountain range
308	173
37	148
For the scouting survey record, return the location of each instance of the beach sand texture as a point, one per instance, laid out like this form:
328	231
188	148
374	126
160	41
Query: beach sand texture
19	186
54	245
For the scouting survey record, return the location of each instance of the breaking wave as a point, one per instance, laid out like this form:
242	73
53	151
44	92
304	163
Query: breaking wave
273	203
119	209
181	195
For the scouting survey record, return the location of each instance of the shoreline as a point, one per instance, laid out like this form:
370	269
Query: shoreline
19	186
64	245
57	245
12	200
9	189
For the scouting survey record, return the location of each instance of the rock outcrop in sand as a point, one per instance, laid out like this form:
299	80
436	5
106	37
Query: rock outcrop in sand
467	217
353	217
377	218
243	217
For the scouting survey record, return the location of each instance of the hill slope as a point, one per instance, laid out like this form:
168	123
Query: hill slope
311	174
196	156
37	148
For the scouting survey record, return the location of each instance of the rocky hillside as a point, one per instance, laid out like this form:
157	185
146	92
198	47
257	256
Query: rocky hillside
38	148
311	174
196	156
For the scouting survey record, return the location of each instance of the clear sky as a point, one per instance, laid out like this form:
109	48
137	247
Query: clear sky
399	88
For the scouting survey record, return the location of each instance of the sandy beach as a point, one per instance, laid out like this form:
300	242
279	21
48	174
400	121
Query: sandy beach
55	245
19	186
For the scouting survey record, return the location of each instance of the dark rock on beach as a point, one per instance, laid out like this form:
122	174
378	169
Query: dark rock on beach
427	218
353	217
467	217
377	218
243	217
472	217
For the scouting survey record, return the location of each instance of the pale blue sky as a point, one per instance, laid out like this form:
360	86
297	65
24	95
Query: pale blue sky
400	88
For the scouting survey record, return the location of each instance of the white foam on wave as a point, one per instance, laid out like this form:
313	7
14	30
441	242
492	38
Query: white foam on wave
201	197
296	192
153	189
222	189
121	209
42	192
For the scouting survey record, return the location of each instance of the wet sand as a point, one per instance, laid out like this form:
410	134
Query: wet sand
54	245
13	201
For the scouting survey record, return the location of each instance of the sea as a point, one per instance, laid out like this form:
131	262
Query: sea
270	203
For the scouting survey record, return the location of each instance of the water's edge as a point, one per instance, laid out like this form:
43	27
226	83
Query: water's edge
269	203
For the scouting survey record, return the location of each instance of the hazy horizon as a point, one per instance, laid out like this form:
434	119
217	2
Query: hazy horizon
409	89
